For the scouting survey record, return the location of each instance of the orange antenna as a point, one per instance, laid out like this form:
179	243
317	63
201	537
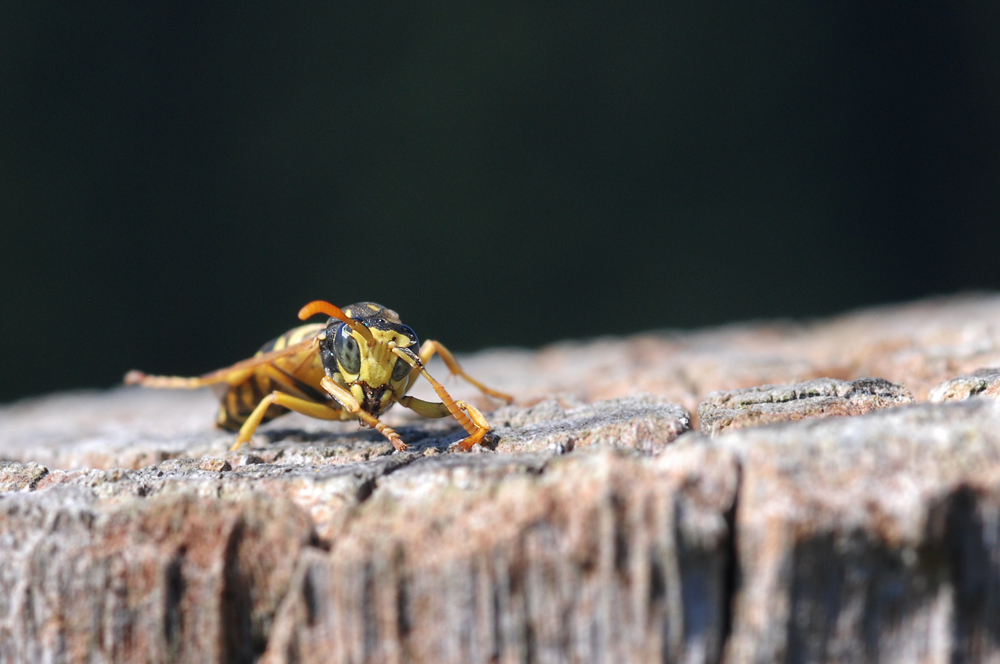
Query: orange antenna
323	307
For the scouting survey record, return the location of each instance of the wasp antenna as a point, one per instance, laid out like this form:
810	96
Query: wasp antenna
323	307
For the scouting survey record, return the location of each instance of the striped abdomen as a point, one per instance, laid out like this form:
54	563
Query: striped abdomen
298	373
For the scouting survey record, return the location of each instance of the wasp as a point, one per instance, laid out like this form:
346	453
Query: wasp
354	366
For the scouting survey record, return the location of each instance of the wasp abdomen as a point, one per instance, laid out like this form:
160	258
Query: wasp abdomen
238	400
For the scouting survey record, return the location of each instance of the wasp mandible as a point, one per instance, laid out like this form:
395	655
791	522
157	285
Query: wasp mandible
354	366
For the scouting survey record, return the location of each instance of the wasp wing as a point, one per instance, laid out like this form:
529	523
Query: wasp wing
238	372
288	359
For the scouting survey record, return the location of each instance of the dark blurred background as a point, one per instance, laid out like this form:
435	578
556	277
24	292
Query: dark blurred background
176	182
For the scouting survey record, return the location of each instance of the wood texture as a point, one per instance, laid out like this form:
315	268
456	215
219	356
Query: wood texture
602	526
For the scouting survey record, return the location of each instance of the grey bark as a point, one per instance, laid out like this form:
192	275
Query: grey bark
827	397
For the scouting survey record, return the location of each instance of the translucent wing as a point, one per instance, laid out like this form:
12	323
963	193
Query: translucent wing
305	347
237	372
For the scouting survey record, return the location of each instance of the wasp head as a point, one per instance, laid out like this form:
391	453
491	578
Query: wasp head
358	354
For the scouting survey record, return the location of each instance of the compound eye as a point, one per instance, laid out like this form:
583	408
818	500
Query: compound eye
400	370
345	347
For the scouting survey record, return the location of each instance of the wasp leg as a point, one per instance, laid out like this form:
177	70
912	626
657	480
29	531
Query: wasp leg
347	400
430	347
311	408
135	377
431	409
469	417
423	408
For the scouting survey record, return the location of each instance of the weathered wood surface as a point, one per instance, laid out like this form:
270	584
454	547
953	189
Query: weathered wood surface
822	397
602	526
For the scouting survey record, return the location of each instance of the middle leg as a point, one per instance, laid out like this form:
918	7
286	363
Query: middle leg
430	348
315	409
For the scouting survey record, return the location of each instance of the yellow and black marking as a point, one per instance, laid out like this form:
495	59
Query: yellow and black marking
355	366
238	401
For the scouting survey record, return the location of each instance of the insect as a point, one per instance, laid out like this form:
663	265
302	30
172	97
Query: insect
354	366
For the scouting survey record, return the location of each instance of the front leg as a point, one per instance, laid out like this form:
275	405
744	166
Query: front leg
480	427
347	400
467	415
